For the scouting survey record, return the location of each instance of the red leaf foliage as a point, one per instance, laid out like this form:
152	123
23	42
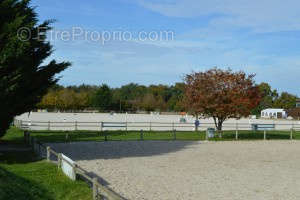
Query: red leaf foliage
221	94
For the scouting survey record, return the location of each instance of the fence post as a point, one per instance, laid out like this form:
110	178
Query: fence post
67	137
142	135
95	189
236	131
206	135
48	154
39	148
74	167
75	125
48	125
101	126
31	141
59	160
174	134
33	144
150	128
291	136
173	126
265	134
126	126
25	137
105	136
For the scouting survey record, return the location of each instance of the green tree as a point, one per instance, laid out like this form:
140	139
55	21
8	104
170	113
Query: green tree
175	103
268	95
102	98
286	101
24	76
129	96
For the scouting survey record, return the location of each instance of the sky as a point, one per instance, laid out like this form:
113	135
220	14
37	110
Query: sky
159	41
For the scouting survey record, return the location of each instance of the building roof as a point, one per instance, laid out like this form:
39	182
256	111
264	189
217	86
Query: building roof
273	110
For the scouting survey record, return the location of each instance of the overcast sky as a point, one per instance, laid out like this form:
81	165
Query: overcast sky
258	36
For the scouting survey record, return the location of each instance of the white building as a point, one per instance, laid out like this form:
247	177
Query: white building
273	113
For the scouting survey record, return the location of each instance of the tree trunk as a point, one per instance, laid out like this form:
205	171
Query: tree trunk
219	125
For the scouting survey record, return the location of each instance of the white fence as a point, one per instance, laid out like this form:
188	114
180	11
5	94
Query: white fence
148	126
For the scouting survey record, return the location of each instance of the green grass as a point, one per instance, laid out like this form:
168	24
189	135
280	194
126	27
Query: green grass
13	136
65	136
24	177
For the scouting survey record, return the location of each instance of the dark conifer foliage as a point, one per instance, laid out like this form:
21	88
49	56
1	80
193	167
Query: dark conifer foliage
24	77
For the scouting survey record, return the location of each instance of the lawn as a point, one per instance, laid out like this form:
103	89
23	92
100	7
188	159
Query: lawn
13	136
24	177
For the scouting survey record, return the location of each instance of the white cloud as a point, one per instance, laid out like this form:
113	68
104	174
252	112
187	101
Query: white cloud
261	15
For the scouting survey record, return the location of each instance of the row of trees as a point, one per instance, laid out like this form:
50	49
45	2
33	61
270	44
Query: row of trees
216	93
134	97
131	97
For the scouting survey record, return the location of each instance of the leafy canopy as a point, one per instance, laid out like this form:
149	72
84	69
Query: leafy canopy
221	94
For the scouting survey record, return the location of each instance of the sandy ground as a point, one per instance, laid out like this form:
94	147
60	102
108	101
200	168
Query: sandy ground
92	121
176	170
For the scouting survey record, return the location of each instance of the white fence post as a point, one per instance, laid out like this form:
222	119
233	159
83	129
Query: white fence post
59	160
48	154
48	125
291	136
95	189
76	128
150	126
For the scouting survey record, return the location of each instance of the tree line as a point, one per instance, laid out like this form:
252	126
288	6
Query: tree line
128	98
134	97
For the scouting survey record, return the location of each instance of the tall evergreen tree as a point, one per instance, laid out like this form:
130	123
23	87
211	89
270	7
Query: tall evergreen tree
24	77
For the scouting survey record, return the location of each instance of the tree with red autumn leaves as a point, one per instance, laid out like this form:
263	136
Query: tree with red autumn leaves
221	94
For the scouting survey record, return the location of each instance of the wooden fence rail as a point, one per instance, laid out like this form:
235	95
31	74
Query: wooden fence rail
99	191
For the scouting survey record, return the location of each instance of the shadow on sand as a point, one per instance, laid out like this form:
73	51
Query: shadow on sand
79	151
119	149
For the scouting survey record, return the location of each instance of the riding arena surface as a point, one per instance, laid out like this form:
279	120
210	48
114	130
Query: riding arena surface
192	170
